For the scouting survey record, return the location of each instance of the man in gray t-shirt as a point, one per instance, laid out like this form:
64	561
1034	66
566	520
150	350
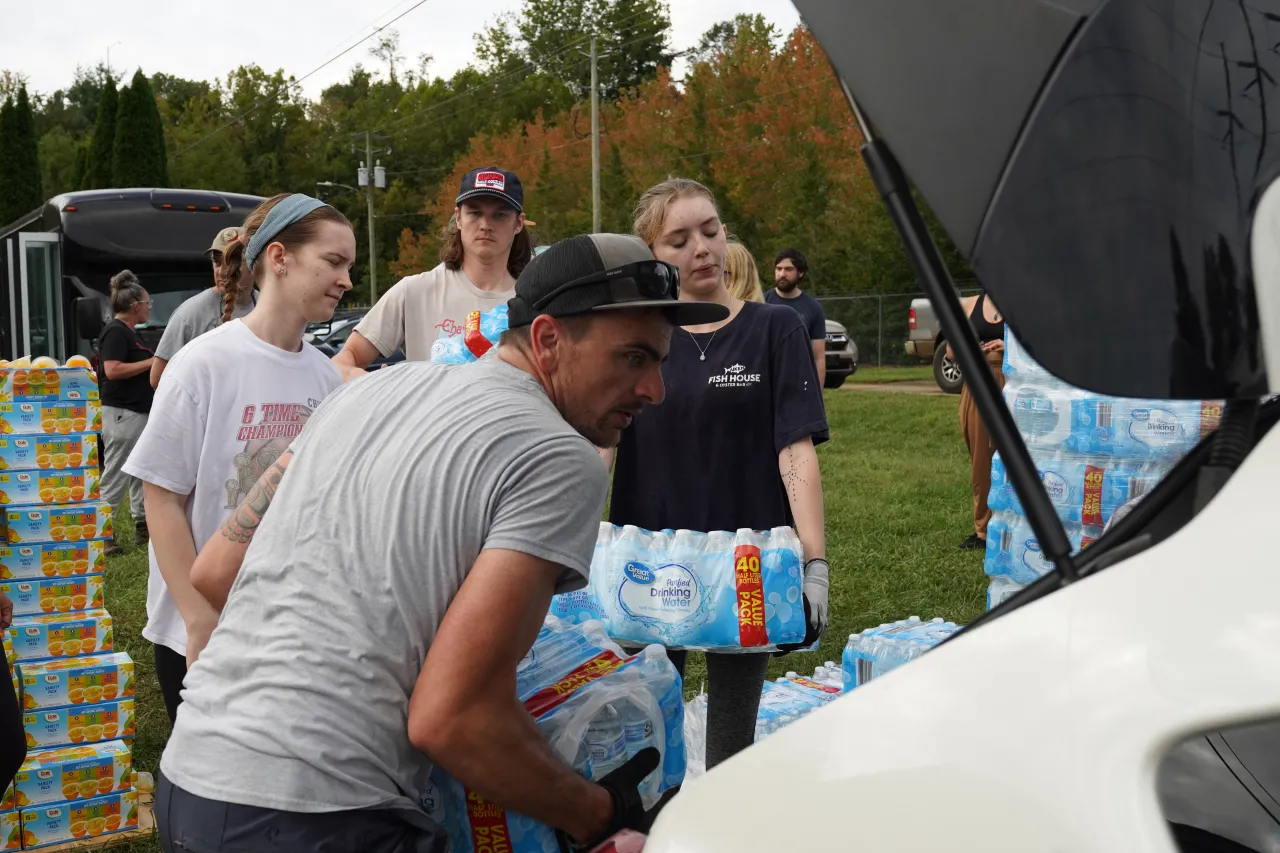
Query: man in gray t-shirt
374	623
202	312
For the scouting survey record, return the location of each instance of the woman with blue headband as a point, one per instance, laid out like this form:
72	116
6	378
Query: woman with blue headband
231	402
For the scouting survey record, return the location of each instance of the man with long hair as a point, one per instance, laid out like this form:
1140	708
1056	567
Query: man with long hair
486	246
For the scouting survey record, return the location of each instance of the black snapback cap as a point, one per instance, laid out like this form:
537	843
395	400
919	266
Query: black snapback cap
603	272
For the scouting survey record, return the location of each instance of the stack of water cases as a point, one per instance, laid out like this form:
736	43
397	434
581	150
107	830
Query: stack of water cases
1097	456
76	693
791	697
878	650
597	708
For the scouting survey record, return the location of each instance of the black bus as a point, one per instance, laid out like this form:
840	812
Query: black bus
56	262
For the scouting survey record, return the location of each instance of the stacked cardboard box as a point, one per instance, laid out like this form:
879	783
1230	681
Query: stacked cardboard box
76	693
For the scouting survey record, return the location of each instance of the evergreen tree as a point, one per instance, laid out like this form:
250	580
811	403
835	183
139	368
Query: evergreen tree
19	159
102	151
139	156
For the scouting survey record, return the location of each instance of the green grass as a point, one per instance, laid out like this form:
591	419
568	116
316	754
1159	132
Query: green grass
880	375
895	478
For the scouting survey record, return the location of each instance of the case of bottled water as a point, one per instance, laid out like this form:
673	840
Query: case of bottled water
1097	456
787	699
597	708
480	334
877	650
721	591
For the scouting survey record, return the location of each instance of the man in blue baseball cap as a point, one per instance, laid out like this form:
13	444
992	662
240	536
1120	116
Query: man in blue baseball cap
486	245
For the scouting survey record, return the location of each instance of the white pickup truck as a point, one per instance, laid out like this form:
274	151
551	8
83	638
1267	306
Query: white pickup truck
926	342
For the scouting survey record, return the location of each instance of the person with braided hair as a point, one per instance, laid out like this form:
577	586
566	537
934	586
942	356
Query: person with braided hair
231	402
205	311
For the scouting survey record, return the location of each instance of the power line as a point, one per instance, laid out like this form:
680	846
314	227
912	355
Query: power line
299	81
489	85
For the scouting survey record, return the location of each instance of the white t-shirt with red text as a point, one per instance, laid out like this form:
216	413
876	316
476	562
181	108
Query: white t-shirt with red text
229	406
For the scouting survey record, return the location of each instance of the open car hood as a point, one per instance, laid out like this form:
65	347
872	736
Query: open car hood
1098	162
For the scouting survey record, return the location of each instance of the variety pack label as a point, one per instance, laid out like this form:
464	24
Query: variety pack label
81	724
33	384
76	681
71	773
53	560
58	523
61	417
54	595
49	487
48	452
56	635
77	820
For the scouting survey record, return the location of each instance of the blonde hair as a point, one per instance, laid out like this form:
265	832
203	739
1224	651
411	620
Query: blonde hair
651	209
741	275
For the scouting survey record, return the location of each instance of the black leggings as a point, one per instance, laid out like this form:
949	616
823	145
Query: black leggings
171	669
733	700
13	737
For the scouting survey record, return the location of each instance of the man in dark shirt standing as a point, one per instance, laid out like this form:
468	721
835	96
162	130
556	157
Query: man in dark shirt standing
789	270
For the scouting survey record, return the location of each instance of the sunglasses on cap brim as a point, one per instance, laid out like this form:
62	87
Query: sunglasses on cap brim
653	280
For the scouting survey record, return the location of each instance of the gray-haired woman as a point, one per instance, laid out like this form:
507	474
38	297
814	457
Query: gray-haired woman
126	396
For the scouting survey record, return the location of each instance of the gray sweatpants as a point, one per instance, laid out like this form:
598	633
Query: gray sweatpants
121	429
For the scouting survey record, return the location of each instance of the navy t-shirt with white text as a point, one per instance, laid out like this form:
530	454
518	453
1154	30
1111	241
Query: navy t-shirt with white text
706	458
809	309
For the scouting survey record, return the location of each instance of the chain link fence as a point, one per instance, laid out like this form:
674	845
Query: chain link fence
877	323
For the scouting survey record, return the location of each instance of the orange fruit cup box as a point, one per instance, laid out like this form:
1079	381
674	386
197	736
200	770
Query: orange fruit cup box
62	635
11	830
69	486
76	681
79	725
71	773
53	560
39	385
45	825
58	524
54	595
48	452
59	417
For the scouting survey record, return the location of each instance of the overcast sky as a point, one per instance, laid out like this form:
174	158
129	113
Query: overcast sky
46	39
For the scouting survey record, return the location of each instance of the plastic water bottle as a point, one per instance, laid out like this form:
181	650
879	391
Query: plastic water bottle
607	741
637	729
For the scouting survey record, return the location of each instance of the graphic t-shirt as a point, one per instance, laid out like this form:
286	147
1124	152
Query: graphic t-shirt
300	701
199	314
120	343
418	309
707	458
809	309
229	405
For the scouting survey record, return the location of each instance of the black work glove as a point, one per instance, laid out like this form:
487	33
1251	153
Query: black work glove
623	786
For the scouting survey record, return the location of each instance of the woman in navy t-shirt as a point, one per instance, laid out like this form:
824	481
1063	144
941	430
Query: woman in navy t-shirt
732	445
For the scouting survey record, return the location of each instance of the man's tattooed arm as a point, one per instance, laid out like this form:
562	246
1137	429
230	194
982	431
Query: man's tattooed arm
218	563
241	524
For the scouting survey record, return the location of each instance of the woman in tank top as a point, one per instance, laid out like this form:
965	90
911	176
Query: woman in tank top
988	323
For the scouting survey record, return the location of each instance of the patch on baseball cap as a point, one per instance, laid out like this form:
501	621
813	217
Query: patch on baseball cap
492	182
225	238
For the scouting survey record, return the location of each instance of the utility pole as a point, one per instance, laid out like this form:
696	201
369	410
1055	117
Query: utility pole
373	253
595	140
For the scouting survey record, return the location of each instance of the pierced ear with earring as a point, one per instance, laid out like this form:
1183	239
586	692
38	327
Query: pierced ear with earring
280	270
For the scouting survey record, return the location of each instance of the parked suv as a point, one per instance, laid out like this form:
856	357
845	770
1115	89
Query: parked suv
842	355
925	342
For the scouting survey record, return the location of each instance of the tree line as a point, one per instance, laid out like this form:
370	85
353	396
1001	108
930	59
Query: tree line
759	117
